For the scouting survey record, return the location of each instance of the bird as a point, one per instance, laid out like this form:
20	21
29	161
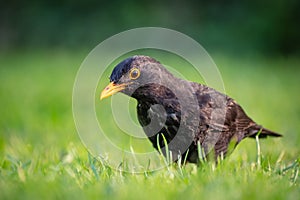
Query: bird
188	119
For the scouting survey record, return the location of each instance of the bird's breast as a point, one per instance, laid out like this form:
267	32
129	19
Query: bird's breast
158	118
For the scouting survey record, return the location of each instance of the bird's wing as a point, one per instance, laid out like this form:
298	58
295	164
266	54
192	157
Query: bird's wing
234	120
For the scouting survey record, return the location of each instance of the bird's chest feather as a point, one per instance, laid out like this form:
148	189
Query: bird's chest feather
159	119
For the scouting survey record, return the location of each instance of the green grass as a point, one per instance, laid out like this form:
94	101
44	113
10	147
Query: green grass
41	155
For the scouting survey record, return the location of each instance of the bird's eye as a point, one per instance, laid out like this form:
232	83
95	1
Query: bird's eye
134	73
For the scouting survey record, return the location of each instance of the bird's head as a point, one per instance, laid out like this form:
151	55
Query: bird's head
134	73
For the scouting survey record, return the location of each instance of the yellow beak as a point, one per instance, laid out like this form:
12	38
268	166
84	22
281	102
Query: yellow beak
111	89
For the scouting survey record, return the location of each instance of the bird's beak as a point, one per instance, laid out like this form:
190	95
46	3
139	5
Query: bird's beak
111	89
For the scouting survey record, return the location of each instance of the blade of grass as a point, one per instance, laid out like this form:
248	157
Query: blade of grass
258	156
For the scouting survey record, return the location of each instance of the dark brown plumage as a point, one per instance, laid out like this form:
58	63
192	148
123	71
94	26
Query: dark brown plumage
186	113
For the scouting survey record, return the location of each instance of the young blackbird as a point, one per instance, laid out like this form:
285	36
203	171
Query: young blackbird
184	114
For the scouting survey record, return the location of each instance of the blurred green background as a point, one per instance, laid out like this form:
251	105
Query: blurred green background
239	26
255	44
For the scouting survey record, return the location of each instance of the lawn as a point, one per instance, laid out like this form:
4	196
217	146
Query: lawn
42	157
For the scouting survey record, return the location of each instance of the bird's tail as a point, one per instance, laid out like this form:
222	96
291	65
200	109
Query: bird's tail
262	132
